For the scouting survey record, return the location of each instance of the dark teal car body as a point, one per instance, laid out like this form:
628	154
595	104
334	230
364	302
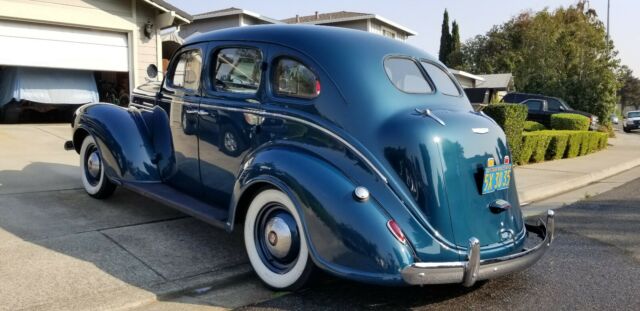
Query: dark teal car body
421	156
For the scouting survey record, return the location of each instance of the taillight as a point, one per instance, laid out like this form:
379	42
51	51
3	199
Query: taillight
317	87
507	160
396	231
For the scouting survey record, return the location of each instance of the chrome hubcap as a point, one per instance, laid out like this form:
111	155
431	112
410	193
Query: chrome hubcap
278	234
93	164
230	142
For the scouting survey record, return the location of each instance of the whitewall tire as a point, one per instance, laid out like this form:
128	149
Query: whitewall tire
95	183
276	242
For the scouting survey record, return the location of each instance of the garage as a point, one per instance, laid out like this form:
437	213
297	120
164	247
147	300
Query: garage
54	69
58	55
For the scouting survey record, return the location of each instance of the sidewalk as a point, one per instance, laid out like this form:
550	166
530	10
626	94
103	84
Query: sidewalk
543	180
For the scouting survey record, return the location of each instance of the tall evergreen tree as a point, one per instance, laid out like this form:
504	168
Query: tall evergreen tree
454	59
445	39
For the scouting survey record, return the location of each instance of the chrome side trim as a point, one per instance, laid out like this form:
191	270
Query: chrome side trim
474	269
313	125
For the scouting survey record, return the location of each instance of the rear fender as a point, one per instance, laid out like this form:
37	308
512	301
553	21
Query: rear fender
135	145
346	237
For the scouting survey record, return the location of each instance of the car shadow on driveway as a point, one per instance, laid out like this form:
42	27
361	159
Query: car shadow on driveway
62	243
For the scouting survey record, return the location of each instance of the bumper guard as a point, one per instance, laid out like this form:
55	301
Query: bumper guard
474	269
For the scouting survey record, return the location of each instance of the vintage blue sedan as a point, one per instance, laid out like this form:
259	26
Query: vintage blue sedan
335	149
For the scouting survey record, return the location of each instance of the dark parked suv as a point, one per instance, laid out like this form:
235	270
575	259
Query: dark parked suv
542	107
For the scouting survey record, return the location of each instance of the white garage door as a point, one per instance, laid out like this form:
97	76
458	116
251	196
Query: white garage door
39	45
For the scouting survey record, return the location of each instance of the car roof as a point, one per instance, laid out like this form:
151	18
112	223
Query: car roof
531	95
312	39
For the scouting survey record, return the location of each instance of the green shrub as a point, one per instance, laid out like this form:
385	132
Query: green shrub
511	118
604	140
569	121
534	147
532	126
586	143
573	144
557	144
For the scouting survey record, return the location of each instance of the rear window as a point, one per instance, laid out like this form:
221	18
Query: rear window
406	75
294	79
441	79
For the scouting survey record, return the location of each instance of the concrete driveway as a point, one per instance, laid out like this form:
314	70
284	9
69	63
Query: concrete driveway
61	249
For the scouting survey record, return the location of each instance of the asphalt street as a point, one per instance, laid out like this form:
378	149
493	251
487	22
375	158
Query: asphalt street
594	264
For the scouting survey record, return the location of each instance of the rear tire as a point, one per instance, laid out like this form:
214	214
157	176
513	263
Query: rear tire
276	242
626	130
94	180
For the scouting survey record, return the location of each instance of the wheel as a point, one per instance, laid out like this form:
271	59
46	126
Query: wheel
231	143
94	180
626	130
275	241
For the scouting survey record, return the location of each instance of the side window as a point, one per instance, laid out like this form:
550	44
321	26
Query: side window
533	104
553	105
186	73
294	79
406	76
238	70
441	79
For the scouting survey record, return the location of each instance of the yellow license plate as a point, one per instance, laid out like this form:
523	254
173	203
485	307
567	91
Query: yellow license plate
496	178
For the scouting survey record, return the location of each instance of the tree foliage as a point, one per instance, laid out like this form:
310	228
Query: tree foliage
563	53
454	59
445	39
629	93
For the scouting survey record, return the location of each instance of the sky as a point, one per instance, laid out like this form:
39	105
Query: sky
425	16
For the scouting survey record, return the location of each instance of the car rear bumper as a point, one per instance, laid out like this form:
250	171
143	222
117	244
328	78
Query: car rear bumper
474	269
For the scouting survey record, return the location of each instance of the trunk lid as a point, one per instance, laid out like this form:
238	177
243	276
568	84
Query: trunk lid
444	175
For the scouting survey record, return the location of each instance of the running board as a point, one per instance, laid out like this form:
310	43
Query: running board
182	202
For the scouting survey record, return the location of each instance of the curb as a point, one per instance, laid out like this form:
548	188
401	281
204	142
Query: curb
551	190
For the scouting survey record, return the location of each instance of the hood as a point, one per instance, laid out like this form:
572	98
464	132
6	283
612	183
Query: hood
442	167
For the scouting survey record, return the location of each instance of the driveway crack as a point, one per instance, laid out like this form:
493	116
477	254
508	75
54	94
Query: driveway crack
134	256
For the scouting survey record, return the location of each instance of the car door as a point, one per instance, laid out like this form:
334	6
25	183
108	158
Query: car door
233	87
181	92
553	106
536	113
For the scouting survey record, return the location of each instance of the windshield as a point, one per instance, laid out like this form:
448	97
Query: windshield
565	104
633	114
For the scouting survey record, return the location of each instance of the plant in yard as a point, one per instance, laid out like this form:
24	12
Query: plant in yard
532	126
511	118
569	121
562	53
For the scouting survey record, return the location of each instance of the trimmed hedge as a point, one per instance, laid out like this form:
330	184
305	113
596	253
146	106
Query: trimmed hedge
534	147
511	118
552	145
532	126
570	121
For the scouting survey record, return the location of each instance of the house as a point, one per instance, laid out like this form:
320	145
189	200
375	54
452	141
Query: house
467	80
491	88
116	41
226	18
362	21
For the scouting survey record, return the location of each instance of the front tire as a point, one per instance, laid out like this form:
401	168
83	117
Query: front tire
95	182
275	241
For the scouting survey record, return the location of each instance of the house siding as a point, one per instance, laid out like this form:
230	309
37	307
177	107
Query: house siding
358	25
146	48
210	24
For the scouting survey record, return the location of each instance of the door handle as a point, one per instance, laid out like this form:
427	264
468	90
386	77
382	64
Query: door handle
203	113
191	111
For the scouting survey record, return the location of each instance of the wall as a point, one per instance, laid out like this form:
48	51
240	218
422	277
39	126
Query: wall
376	27
146	48
206	25
358	25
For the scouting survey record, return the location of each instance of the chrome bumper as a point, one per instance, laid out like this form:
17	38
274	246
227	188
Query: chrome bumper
474	269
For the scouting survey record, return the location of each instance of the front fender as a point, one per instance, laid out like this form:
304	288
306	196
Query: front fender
135	145
346	237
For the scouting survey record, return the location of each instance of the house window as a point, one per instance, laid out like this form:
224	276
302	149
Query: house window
238	70
294	79
389	33
186	74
